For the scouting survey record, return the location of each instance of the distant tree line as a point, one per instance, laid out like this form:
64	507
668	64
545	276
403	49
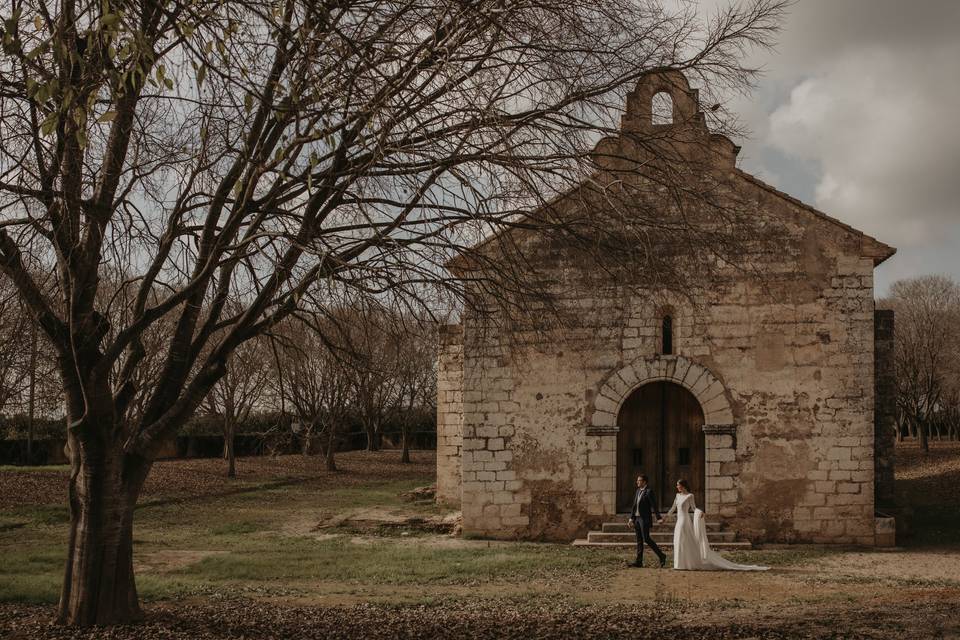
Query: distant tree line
320	378
927	356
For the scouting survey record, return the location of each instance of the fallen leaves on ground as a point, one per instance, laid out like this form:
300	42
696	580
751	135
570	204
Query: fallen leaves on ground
242	618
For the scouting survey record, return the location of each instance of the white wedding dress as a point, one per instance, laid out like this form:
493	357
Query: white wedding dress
691	549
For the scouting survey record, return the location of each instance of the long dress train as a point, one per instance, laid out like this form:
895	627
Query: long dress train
691	548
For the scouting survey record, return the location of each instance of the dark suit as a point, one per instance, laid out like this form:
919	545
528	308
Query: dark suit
641	512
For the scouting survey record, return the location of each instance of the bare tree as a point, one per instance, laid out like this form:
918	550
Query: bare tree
416	377
204	151
315	378
926	343
28	370
237	393
374	356
14	323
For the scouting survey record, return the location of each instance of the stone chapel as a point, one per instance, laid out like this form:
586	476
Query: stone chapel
774	402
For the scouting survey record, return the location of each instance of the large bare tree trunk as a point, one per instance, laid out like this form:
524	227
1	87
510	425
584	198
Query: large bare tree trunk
922	432
99	586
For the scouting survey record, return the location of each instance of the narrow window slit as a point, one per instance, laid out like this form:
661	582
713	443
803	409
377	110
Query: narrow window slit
667	335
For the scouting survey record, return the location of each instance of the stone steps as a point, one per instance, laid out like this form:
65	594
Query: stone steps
660	537
621	534
623	527
719	546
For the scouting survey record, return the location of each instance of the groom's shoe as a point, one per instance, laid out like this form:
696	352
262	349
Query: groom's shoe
663	561
636	563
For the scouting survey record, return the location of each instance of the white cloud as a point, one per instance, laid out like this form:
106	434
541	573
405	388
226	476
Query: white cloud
859	113
882	131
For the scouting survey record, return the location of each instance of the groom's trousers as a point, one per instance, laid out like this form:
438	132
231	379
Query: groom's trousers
642	528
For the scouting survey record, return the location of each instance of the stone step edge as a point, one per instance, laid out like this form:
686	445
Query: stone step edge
661	527
658	538
672	519
718	545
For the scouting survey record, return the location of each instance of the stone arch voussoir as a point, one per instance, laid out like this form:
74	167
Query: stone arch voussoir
708	390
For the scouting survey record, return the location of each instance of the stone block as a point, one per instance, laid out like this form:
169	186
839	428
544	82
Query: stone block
838	453
471	444
813	500
602	458
721	455
721	482
600	484
487	431
510	510
823	513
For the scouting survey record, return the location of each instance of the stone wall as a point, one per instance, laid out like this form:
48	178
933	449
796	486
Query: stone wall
792	354
495	502
885	409
449	414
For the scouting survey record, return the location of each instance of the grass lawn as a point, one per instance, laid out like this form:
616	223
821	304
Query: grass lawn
307	544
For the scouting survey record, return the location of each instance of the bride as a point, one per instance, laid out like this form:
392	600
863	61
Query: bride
691	549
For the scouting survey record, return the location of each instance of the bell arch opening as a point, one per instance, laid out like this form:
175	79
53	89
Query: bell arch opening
660	434
661	108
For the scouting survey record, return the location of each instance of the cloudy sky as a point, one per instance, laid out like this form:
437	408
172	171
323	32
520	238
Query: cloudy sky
858	114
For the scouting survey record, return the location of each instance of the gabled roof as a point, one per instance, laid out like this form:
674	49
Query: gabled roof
688	118
869	246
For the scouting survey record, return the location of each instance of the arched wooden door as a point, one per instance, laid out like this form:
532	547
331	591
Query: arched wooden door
661	435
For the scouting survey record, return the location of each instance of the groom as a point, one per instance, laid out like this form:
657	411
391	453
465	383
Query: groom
641	517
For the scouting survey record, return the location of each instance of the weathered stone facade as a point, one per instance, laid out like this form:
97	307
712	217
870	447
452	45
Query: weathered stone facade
449	414
781	365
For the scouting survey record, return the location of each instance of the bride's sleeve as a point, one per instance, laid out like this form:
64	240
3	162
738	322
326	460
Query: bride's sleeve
693	505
